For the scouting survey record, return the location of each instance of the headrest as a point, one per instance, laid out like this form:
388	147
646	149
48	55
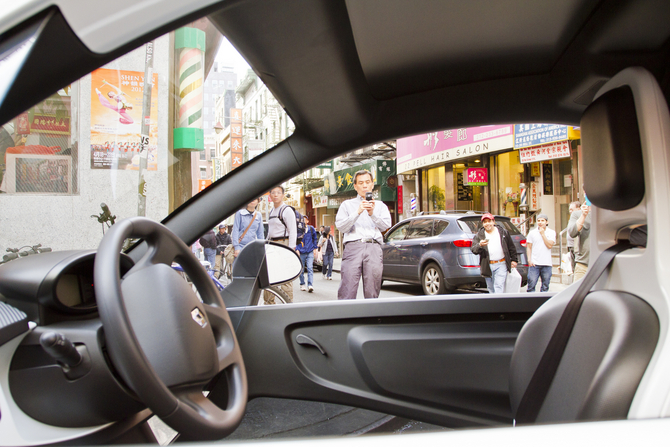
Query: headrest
612	151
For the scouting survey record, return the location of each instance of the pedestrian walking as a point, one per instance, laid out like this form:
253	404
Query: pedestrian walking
580	225
497	253
307	248
222	241
328	249
247	226
282	229
538	248
208	242
361	220
574	206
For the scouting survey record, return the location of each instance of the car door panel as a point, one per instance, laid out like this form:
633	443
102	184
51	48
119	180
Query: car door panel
441	360
391	249
414	246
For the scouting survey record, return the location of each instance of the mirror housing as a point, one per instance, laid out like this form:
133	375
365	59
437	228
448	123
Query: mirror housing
259	265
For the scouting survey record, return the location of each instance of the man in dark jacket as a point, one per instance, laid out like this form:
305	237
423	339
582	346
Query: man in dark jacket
307	248
497	253
208	242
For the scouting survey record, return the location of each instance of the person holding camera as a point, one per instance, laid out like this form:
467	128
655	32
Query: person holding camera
361	220
580	225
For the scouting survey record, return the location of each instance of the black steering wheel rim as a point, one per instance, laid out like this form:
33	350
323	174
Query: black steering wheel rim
183	407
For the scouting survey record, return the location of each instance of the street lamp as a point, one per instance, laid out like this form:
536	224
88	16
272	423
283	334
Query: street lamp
218	127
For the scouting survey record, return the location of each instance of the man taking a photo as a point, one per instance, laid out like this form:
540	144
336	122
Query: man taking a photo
538	248
361	220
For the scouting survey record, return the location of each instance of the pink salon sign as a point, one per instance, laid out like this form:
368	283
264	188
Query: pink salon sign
476	177
449	145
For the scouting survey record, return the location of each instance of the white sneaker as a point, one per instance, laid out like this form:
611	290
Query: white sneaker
302	287
330	278
311	289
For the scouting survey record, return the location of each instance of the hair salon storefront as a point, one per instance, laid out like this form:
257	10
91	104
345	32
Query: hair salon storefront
464	169
482	168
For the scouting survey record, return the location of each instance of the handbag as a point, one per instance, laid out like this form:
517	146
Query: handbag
229	254
566	263
513	282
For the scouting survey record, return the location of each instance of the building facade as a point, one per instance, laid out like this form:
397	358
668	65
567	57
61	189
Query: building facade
509	170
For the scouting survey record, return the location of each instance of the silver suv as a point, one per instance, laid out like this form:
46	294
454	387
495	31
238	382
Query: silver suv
434	251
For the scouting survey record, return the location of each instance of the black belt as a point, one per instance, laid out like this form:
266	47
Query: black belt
278	238
366	241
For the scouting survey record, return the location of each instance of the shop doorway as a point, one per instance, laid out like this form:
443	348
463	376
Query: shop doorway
469	197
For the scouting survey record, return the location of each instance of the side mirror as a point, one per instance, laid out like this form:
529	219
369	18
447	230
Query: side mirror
283	264
259	265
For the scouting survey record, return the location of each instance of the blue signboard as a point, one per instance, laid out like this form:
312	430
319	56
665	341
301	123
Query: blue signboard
527	135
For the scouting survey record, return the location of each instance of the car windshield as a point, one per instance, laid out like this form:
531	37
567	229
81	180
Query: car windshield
139	136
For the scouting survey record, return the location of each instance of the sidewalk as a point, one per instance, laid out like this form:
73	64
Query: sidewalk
553	287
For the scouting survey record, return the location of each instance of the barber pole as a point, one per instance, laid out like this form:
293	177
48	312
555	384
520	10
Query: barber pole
190	43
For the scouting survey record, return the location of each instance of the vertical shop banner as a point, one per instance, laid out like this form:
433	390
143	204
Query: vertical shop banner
203	184
547	179
400	198
116	120
22	126
236	149
534	196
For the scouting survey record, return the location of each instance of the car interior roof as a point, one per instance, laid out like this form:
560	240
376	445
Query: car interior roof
351	73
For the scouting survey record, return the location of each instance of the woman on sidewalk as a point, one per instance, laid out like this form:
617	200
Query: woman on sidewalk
329	250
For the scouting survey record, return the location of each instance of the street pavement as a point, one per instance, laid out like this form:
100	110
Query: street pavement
325	290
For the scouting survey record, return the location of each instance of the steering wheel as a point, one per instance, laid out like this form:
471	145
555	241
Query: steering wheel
165	343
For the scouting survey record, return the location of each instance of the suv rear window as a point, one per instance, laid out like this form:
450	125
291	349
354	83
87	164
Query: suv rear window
472	224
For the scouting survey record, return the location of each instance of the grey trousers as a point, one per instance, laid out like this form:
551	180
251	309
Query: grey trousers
361	259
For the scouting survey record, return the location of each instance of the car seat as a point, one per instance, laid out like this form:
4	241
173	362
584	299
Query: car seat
614	365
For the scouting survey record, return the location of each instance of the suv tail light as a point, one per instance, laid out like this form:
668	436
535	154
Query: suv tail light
464	243
522	242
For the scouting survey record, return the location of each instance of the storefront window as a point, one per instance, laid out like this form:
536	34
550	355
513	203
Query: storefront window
37	152
510	175
434	189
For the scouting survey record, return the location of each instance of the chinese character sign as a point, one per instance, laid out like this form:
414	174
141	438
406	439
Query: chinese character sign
236	116
116	120
448	145
236	149
526	135
534	197
49	124
476	177
545	152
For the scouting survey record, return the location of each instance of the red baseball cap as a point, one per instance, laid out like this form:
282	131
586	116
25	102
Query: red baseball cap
488	216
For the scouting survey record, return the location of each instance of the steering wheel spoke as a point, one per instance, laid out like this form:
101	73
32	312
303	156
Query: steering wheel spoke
221	326
158	334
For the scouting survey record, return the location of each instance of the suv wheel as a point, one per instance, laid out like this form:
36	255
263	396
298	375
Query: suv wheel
432	280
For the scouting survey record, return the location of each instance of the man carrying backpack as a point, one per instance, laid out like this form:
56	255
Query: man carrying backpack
307	247
282	229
